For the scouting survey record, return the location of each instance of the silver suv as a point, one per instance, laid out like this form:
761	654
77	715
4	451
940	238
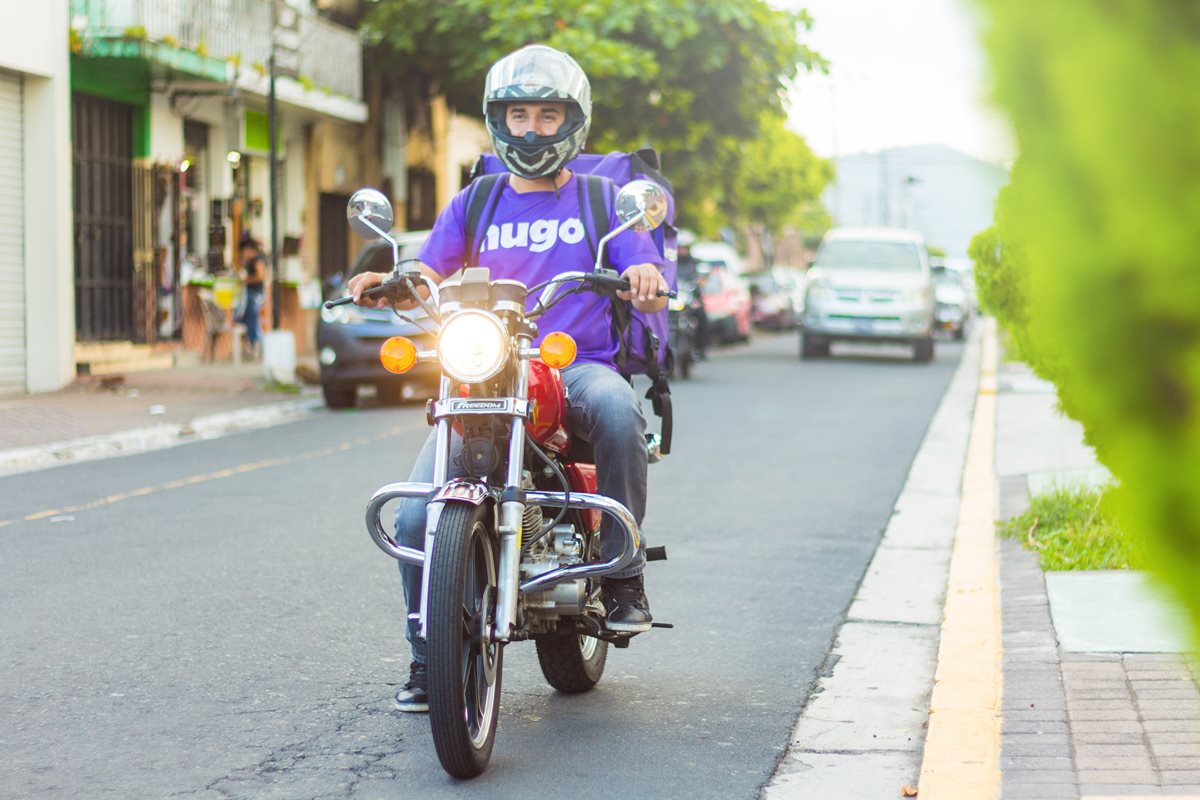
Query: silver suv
869	284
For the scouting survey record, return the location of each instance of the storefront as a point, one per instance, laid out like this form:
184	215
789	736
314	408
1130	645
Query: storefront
12	234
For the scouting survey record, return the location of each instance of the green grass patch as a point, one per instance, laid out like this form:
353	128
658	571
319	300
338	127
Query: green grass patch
1073	528
283	388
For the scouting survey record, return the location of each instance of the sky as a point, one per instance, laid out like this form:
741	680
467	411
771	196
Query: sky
901	73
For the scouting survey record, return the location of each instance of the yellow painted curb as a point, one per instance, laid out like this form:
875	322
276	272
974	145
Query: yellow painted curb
962	748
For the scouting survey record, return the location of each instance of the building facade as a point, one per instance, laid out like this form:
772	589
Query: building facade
37	322
135	152
171	155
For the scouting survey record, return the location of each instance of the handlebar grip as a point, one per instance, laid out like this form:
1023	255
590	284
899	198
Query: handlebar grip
340	302
617	283
614	282
392	290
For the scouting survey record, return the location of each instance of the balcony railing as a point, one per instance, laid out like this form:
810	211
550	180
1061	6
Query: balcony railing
330	56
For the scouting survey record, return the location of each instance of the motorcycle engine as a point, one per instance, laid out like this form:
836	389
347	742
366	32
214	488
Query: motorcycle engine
561	547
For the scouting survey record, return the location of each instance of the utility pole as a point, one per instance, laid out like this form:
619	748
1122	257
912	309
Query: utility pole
272	123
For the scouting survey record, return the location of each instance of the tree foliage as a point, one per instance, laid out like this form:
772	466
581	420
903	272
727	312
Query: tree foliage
1102	211
778	179
693	78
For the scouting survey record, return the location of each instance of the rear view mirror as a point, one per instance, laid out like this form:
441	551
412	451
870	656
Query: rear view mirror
370	214
645	199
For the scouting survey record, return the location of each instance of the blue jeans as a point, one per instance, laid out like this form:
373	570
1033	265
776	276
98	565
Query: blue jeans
605	411
253	303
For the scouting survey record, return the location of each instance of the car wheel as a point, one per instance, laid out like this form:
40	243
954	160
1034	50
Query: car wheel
338	396
923	350
813	346
389	394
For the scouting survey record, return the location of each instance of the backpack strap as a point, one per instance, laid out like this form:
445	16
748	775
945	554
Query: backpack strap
592	190
659	393
483	194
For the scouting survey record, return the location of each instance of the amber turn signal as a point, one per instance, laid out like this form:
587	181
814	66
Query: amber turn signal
557	350
398	355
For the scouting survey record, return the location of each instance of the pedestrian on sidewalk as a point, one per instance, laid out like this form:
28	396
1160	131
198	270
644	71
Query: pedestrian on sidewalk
253	277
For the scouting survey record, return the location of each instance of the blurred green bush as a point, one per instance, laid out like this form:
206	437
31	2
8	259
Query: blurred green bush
1094	264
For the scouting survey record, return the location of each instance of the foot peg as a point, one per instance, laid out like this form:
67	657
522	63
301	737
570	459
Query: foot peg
656	553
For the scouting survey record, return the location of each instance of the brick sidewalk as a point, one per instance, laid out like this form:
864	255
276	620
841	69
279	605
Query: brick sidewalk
1088	725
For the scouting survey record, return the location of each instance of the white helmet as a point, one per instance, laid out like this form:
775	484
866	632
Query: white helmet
538	74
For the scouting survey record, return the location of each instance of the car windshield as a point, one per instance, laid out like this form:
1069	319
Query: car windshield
712	284
766	283
378	256
888	256
946	277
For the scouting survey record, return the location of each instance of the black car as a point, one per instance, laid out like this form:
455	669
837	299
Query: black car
349	337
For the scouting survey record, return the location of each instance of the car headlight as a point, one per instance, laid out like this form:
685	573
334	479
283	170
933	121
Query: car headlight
917	295
820	292
348	314
333	315
472	346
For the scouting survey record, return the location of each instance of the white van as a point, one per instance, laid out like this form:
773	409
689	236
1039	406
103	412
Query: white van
869	284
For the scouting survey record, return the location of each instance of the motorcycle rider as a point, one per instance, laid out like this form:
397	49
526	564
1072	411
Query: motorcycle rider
537	108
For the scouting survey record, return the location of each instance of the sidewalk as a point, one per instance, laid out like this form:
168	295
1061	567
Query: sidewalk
1088	710
96	417
962	672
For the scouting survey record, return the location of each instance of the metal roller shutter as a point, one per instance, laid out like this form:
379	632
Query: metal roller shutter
12	236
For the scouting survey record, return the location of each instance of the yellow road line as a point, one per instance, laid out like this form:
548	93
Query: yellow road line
962	749
220	474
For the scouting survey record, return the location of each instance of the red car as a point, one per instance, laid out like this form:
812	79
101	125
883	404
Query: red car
726	302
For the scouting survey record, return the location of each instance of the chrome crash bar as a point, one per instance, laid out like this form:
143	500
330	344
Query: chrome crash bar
606	505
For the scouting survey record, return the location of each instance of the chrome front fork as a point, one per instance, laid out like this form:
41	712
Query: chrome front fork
512	518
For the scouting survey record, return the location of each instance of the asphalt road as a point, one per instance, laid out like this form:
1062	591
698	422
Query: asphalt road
212	621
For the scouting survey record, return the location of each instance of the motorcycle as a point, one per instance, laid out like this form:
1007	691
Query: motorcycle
512	551
685	310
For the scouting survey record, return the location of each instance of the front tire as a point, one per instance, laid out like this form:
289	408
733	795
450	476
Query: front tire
571	663
465	662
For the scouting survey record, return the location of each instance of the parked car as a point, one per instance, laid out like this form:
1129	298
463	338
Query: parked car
869	284
953	310
721	253
726	302
773	299
349	337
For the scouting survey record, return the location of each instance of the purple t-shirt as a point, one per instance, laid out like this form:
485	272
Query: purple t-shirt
534	236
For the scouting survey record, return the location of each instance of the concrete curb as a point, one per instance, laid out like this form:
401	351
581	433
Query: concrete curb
156	437
861	735
962	748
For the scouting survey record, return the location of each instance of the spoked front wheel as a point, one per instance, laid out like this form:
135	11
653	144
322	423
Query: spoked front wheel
464	659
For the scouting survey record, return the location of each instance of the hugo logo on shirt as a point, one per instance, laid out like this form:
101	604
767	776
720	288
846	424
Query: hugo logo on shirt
537	236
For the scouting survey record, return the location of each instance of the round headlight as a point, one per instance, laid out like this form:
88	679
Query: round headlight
472	346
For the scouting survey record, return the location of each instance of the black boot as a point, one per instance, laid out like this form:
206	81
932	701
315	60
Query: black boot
414	695
625	602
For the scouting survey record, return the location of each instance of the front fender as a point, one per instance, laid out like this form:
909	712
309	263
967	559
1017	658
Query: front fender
470	490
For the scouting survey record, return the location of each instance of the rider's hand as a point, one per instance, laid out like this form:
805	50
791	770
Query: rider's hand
367	280
645	281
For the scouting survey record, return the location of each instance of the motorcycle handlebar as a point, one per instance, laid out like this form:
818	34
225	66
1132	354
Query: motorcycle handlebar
395	291
616	283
